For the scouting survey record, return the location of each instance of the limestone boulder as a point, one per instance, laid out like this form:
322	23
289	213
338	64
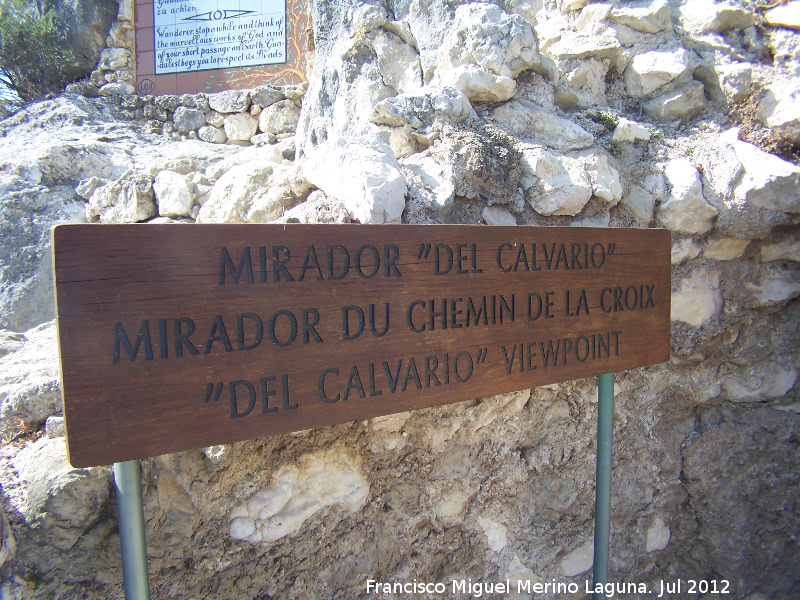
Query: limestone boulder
698	298
604	178
364	174
61	502
784	15
240	127
704	16
485	50
640	203
686	209
129	199
651	70
30	384
279	117
398	62
780	110
525	119
230	101
256	191
428	182
498	215
413	119
173	195
630	131
555	185
681	104
648	16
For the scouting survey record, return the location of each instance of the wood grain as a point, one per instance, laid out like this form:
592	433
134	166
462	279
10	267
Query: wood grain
176	337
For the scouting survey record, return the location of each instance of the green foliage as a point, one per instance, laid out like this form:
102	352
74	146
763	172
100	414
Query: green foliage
34	54
606	118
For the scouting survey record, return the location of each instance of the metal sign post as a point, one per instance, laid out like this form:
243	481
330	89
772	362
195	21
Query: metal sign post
130	516
602	503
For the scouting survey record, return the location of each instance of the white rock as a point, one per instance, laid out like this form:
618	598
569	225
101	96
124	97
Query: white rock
30	384
686	210
780	109
398	62
118	88
684	249
735	80
229	101
498	215
769	181
240	127
525	119
54	427
496	533
604	178
212	135
771	289
127	200
279	117
479	85
578	561
658	535
486	36
172	194
703	16
698	299
188	119
649	16
428	182
591	16
756	383
63	502
582	45
571	5
450	505
640	203
786	250
786	15
179	164
254	192
364	174
558	185
112	59
316	481
650	70
520	574
630	131
725	249
414	118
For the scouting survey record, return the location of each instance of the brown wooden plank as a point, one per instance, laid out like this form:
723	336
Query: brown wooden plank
118	283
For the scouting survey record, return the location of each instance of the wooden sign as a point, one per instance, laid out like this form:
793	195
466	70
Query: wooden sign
191	46
175	337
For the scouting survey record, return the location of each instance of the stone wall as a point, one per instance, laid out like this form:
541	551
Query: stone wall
644	114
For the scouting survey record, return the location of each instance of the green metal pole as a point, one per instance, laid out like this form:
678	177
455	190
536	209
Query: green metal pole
602	503
130	516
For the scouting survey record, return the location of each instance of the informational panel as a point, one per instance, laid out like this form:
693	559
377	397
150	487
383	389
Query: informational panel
189	46
175	337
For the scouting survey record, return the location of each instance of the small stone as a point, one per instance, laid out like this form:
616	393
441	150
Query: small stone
725	249
280	117
428	183
266	95
498	215
786	15
240	127
112	59
640	203
263	139
646	16
119	88
87	187
786	250
780	110
212	135
681	104
579	560
54	427
398	63
526	119
172	194
557	185
179	164
630	131
650	70
684	249
605	179
188	119
230	101
686	210
215	119
658	535
697	300
496	533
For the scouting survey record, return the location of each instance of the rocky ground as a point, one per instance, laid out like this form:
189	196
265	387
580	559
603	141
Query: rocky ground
643	114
